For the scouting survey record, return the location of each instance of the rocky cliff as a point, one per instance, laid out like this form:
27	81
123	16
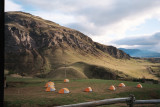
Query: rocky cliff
28	37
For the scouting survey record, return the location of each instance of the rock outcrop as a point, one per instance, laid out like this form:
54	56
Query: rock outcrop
28	36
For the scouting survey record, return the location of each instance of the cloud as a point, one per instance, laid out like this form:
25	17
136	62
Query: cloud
105	15
67	6
151	42
103	20
11	6
144	40
58	17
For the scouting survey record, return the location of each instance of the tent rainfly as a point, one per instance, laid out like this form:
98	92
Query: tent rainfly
121	85
88	89
50	84
66	80
112	88
50	89
139	86
63	91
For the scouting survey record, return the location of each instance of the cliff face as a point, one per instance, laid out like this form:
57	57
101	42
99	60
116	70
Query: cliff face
24	31
113	51
28	36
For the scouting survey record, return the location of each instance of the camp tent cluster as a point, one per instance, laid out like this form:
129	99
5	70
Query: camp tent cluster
112	87
50	86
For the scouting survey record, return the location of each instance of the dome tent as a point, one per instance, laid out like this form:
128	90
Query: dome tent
50	89
121	85
63	91
66	80
50	84
112	87
139	86
88	89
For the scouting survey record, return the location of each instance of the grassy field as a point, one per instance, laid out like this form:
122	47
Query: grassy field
31	92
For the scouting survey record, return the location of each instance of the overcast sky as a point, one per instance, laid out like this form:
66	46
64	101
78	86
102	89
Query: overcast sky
121	23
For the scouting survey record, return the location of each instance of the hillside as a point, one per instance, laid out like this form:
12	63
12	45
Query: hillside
141	53
37	47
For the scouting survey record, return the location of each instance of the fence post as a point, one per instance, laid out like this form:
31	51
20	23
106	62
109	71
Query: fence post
131	101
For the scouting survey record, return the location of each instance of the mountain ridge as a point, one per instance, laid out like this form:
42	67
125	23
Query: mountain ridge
34	46
141	53
54	37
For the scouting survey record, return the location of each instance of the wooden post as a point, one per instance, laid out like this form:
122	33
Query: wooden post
131	101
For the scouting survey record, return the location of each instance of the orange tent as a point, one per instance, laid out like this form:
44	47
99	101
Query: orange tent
63	91
49	84
112	88
50	89
88	89
121	85
139	86
66	80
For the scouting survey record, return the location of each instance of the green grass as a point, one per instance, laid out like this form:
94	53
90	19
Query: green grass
32	93
147	94
30	102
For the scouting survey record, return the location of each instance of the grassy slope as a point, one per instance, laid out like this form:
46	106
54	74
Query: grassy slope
133	68
31	91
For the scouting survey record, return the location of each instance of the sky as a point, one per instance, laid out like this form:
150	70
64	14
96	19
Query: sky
131	24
